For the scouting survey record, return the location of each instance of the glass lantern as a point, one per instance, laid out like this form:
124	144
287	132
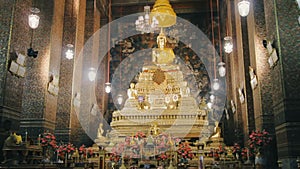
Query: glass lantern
222	69
244	8
107	87
92	74
216	84
69	52
33	18
228	45
120	99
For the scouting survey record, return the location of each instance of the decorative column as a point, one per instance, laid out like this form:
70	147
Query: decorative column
260	72
39	105
64	104
241	59
283	27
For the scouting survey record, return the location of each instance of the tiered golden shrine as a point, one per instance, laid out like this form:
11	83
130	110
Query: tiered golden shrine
161	97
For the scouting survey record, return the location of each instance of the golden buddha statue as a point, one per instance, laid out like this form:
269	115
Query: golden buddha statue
217	131
162	55
131	92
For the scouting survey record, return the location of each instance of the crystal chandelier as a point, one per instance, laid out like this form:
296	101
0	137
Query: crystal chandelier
145	24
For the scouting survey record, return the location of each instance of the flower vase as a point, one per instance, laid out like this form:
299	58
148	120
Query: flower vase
259	160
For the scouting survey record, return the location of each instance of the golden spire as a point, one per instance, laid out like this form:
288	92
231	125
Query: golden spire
164	13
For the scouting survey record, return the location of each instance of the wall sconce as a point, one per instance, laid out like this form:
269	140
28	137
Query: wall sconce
33	18
69	52
253	78
53	85
233	108
241	95
92	74
222	69
107	87
216	84
18	67
226	113
244	8
228	44
272	53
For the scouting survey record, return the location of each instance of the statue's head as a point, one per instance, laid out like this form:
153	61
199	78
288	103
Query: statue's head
132	85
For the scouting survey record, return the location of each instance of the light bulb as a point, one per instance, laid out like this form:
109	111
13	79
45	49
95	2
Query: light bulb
33	18
216	84
222	69
92	74
120	99
107	87
228	45
244	8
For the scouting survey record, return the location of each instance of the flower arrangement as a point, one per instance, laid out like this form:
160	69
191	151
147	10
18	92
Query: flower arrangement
246	154
48	140
140	135
82	150
221	149
236	149
185	152
162	157
65	149
258	140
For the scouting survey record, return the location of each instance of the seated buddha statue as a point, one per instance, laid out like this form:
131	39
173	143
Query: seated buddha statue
162	55
131	92
217	131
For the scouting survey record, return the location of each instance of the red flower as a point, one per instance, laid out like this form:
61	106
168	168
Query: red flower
259	139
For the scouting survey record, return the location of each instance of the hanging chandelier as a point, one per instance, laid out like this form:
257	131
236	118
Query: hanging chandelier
222	69
145	24
33	18
228	45
244	7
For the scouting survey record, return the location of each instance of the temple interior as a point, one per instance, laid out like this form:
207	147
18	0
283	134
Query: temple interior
141	84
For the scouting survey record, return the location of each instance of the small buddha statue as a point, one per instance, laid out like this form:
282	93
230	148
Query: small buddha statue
131	92
162	55
100	131
154	130
217	131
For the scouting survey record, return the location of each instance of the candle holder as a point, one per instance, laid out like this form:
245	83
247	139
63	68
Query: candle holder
298	162
279	164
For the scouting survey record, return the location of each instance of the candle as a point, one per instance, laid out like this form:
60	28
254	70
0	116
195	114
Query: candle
26	137
39	139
